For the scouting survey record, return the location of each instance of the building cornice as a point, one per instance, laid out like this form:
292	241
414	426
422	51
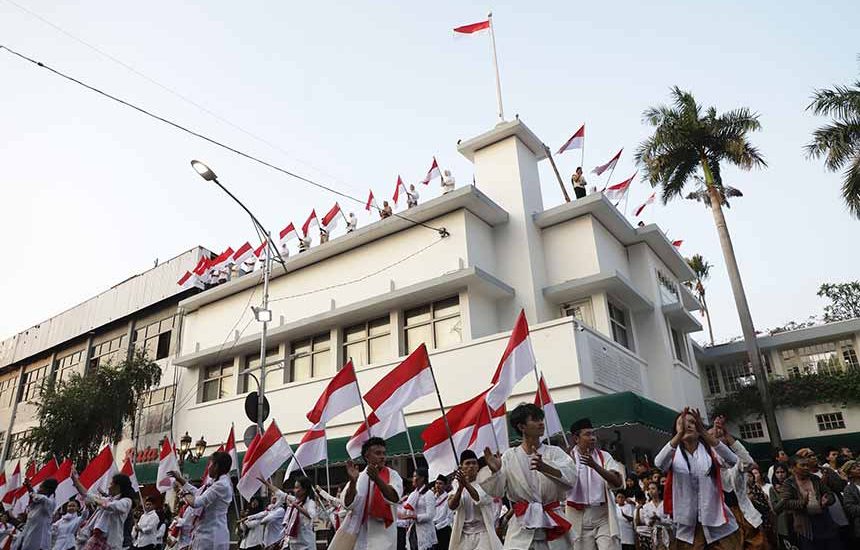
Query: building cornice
801	336
611	281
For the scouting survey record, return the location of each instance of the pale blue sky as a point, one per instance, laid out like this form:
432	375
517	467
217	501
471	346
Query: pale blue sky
358	92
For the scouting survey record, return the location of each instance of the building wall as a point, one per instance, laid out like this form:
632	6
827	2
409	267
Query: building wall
572	249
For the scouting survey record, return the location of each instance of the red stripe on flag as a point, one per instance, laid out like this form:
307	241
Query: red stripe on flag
473	27
344	378
410	368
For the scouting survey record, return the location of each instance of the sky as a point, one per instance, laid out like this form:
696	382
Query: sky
351	94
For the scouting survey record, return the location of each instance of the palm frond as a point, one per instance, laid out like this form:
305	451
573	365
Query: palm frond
838	142
840	101
851	187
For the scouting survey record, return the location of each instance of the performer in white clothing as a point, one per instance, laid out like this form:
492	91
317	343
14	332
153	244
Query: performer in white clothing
474	526
107	523
447	182
299	520
421	509
444	516
590	504
535	478
145	530
656	518
64	528
250	526
36	534
213	501
694	495
371	499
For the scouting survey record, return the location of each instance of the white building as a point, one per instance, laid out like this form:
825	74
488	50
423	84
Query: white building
828	348
607	311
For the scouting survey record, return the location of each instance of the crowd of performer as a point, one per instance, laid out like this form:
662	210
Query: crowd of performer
703	490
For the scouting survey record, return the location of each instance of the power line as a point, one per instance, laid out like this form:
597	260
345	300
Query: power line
441	230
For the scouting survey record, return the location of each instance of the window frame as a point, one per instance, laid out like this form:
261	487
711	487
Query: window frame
29	387
69	362
626	326
366	341
313	353
679	347
830	421
585	308
751	430
107	350
712	378
8	385
433	321
246	381
220	379
145	409
155	331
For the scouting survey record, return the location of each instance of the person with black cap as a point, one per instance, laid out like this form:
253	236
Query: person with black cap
444	515
590	504
474	526
534	477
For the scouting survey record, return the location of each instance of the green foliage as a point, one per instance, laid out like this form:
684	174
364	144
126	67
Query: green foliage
77	416
797	391
844	300
839	141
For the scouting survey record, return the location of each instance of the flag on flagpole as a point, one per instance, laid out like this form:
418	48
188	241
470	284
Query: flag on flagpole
230	449
617	191
189	280
3	485
259	250
310	222
408	381
641	207
473	27
128	469
249	450
331	218
66	489
167	462
23	499
678	243
222	260
312	449
392	425
287	234
518	360
433	173
397	187
552	422
609	165
12	484
576	141
270	453
243	253
205	479
339	396
483	437
371	202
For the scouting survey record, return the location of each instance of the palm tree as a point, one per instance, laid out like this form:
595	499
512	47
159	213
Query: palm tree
839	141
688	138
702	269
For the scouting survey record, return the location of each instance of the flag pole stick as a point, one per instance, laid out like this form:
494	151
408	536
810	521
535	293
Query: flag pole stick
409	440
361	399
492	427
327	474
540	397
557	175
496	67
609	178
444	416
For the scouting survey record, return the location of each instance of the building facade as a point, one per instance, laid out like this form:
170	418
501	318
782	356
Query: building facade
829	348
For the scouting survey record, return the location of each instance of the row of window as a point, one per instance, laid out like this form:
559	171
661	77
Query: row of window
437	325
735	375
825	421
156	411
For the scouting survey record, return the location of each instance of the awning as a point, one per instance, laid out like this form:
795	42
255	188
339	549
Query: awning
605	411
764	452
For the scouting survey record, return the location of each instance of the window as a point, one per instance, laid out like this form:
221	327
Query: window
312	357
32	383
112	351
830	421
751	430
581	311
619	322
217	381
437	325
17	447
154	338
7	391
736	375
274	372
368	343
713	379
68	365
849	355
679	345
824	357
156	411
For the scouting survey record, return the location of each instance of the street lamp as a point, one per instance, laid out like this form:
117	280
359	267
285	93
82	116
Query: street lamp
262	313
186	453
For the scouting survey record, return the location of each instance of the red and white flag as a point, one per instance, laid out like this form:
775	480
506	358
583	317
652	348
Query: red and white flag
167	462
473	27
339	396
12	484
641	207
190	280
269	454
222	260
392	425
205	479
243	253
230	449
397	188
248	452
22	499
312	449
552	423
287	234
576	141
411	379
331	218
617	191
678	243
312	221
4	486
433	173
66	489
518	361
128	469
371	202
483	437
609	165
202	266
258	252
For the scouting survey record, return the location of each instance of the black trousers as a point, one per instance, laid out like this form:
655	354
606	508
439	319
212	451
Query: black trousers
401	538
579	192
443	536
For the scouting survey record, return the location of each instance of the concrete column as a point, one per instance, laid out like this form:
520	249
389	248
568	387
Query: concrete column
398	341
336	339
129	333
88	353
8	440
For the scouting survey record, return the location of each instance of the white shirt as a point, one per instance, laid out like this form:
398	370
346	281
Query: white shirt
211	532
351	223
447	183
253	531
626	525
184	523
37	530
735	480
305	538
64	531
273	524
372	533
424	508
147	529
444	515
110	517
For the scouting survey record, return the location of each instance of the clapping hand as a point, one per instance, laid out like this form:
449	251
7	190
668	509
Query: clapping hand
352	471
494	462
587	460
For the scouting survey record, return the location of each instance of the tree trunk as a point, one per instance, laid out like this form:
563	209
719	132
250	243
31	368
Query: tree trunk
743	309
708	317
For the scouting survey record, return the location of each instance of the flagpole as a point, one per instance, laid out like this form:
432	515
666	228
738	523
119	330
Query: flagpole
444	416
360	399
498	79
540	397
609	178
409	440
493	427
557	175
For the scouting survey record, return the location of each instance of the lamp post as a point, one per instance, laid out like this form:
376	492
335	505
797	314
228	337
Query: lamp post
189	454
263	314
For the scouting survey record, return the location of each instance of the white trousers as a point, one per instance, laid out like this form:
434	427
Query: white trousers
595	533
